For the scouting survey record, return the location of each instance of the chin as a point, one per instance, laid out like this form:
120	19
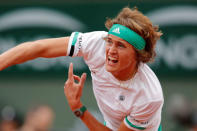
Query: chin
110	69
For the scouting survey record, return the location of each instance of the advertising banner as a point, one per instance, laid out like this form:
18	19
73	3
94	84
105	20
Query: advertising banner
176	50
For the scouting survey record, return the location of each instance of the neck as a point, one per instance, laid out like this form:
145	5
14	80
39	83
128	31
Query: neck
127	73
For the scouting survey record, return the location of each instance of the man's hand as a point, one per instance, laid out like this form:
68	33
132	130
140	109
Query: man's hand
72	90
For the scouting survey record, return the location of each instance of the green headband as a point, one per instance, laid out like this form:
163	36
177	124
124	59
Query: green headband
128	35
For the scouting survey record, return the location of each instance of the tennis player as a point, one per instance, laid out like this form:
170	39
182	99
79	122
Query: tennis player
127	92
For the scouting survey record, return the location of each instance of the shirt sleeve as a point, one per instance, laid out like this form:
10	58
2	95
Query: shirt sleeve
90	46
145	117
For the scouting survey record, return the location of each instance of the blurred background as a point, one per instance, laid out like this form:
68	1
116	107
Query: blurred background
39	83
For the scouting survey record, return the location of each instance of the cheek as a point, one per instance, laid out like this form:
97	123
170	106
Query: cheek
127	58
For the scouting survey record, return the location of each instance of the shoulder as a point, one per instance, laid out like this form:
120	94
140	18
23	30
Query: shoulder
90	45
96	33
88	35
94	39
147	107
87	41
149	84
81	44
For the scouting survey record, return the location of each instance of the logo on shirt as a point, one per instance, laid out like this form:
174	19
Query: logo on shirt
140	122
80	41
121	98
116	30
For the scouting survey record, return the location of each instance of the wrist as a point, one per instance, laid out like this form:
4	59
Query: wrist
77	106
80	111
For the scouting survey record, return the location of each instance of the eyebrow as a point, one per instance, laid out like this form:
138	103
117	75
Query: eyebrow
121	41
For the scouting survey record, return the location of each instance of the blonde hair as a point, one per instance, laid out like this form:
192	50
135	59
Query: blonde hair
141	24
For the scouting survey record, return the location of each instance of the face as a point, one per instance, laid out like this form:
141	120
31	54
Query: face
120	55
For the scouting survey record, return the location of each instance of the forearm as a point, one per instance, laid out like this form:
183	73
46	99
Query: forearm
94	125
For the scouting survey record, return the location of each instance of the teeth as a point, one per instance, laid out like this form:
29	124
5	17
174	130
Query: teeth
111	58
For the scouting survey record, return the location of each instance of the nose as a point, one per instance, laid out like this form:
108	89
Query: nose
112	49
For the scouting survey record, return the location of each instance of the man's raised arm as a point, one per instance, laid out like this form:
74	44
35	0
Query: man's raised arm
47	48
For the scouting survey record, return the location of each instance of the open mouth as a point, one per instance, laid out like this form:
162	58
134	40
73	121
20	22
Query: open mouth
112	59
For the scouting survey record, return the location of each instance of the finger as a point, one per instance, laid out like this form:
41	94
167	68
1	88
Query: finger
70	72
77	78
67	83
83	78
81	84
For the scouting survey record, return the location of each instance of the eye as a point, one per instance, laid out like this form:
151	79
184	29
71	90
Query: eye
109	40
121	45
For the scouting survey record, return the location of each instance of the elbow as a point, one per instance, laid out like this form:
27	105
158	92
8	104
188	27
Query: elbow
38	47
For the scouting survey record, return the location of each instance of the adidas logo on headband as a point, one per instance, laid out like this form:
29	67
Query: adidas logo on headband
128	35
116	30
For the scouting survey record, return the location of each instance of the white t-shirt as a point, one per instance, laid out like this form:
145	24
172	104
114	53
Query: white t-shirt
137	102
